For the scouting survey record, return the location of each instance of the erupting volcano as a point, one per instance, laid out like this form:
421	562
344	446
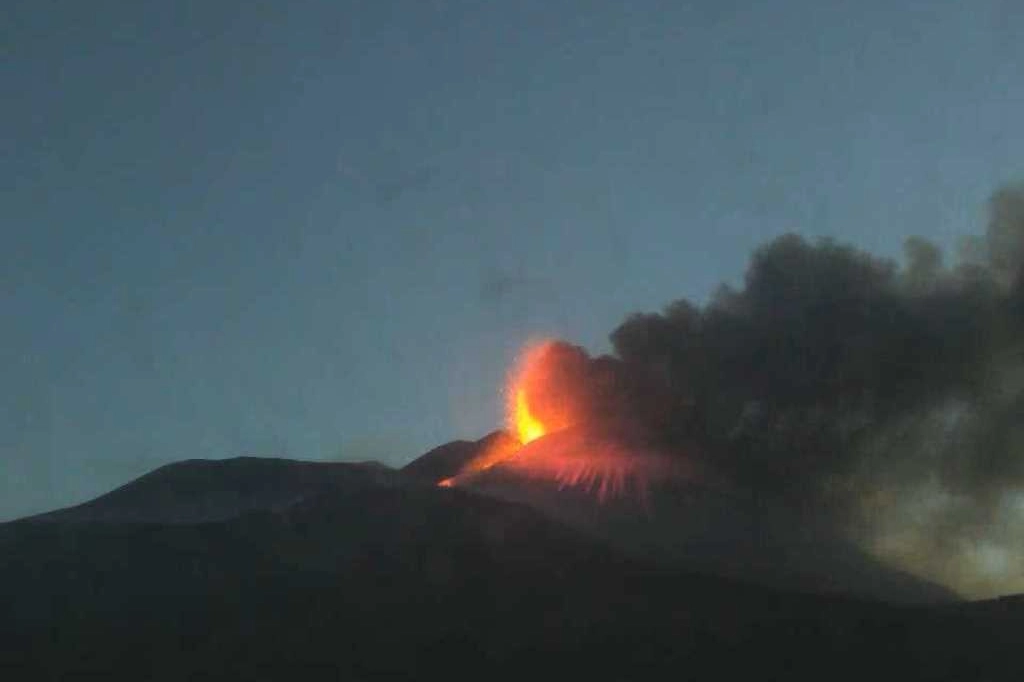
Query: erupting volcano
558	430
544	391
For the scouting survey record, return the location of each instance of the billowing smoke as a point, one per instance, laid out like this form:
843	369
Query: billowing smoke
564	386
887	397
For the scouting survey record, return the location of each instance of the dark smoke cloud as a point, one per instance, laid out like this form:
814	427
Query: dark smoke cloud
884	395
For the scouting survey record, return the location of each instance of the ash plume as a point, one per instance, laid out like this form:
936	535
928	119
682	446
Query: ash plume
887	397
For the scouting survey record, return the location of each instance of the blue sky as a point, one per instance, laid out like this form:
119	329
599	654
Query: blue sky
322	229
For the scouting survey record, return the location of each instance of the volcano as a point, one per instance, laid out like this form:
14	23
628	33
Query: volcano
566	454
361	572
660	507
569	541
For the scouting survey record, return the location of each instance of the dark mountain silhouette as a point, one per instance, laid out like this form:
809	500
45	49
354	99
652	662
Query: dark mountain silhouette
196	490
447	460
693	519
375	575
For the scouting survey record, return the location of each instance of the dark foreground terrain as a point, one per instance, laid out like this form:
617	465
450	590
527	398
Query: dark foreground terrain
275	570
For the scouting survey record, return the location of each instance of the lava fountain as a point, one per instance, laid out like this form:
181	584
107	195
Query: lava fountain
528	390
543	391
526	426
559	434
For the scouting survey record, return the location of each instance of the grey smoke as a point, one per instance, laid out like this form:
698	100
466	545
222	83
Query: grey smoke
888	397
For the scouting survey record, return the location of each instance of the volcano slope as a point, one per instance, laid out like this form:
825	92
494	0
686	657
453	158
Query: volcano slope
446	461
664	508
194	491
382	576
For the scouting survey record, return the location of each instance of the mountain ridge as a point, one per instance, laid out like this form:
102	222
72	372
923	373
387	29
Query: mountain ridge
379	574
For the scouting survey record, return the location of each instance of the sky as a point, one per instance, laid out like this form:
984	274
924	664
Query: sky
322	229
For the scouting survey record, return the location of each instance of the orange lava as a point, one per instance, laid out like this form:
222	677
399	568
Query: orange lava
599	465
529	380
543	393
522	422
553	438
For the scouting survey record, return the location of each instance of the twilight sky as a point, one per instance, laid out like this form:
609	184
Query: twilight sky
322	228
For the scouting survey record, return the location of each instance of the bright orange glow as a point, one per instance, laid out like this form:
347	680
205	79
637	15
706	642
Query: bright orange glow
526	426
596	465
556	436
531	378
499	451
541	393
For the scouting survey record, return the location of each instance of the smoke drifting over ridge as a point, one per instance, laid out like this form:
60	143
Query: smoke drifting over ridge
887	397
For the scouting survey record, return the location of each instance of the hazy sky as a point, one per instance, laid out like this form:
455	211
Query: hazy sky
322	228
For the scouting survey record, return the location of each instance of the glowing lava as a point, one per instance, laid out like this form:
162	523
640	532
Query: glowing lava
522	422
545	390
528	387
555	434
595	464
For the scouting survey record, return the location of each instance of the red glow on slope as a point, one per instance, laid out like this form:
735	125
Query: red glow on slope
558	437
597	465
